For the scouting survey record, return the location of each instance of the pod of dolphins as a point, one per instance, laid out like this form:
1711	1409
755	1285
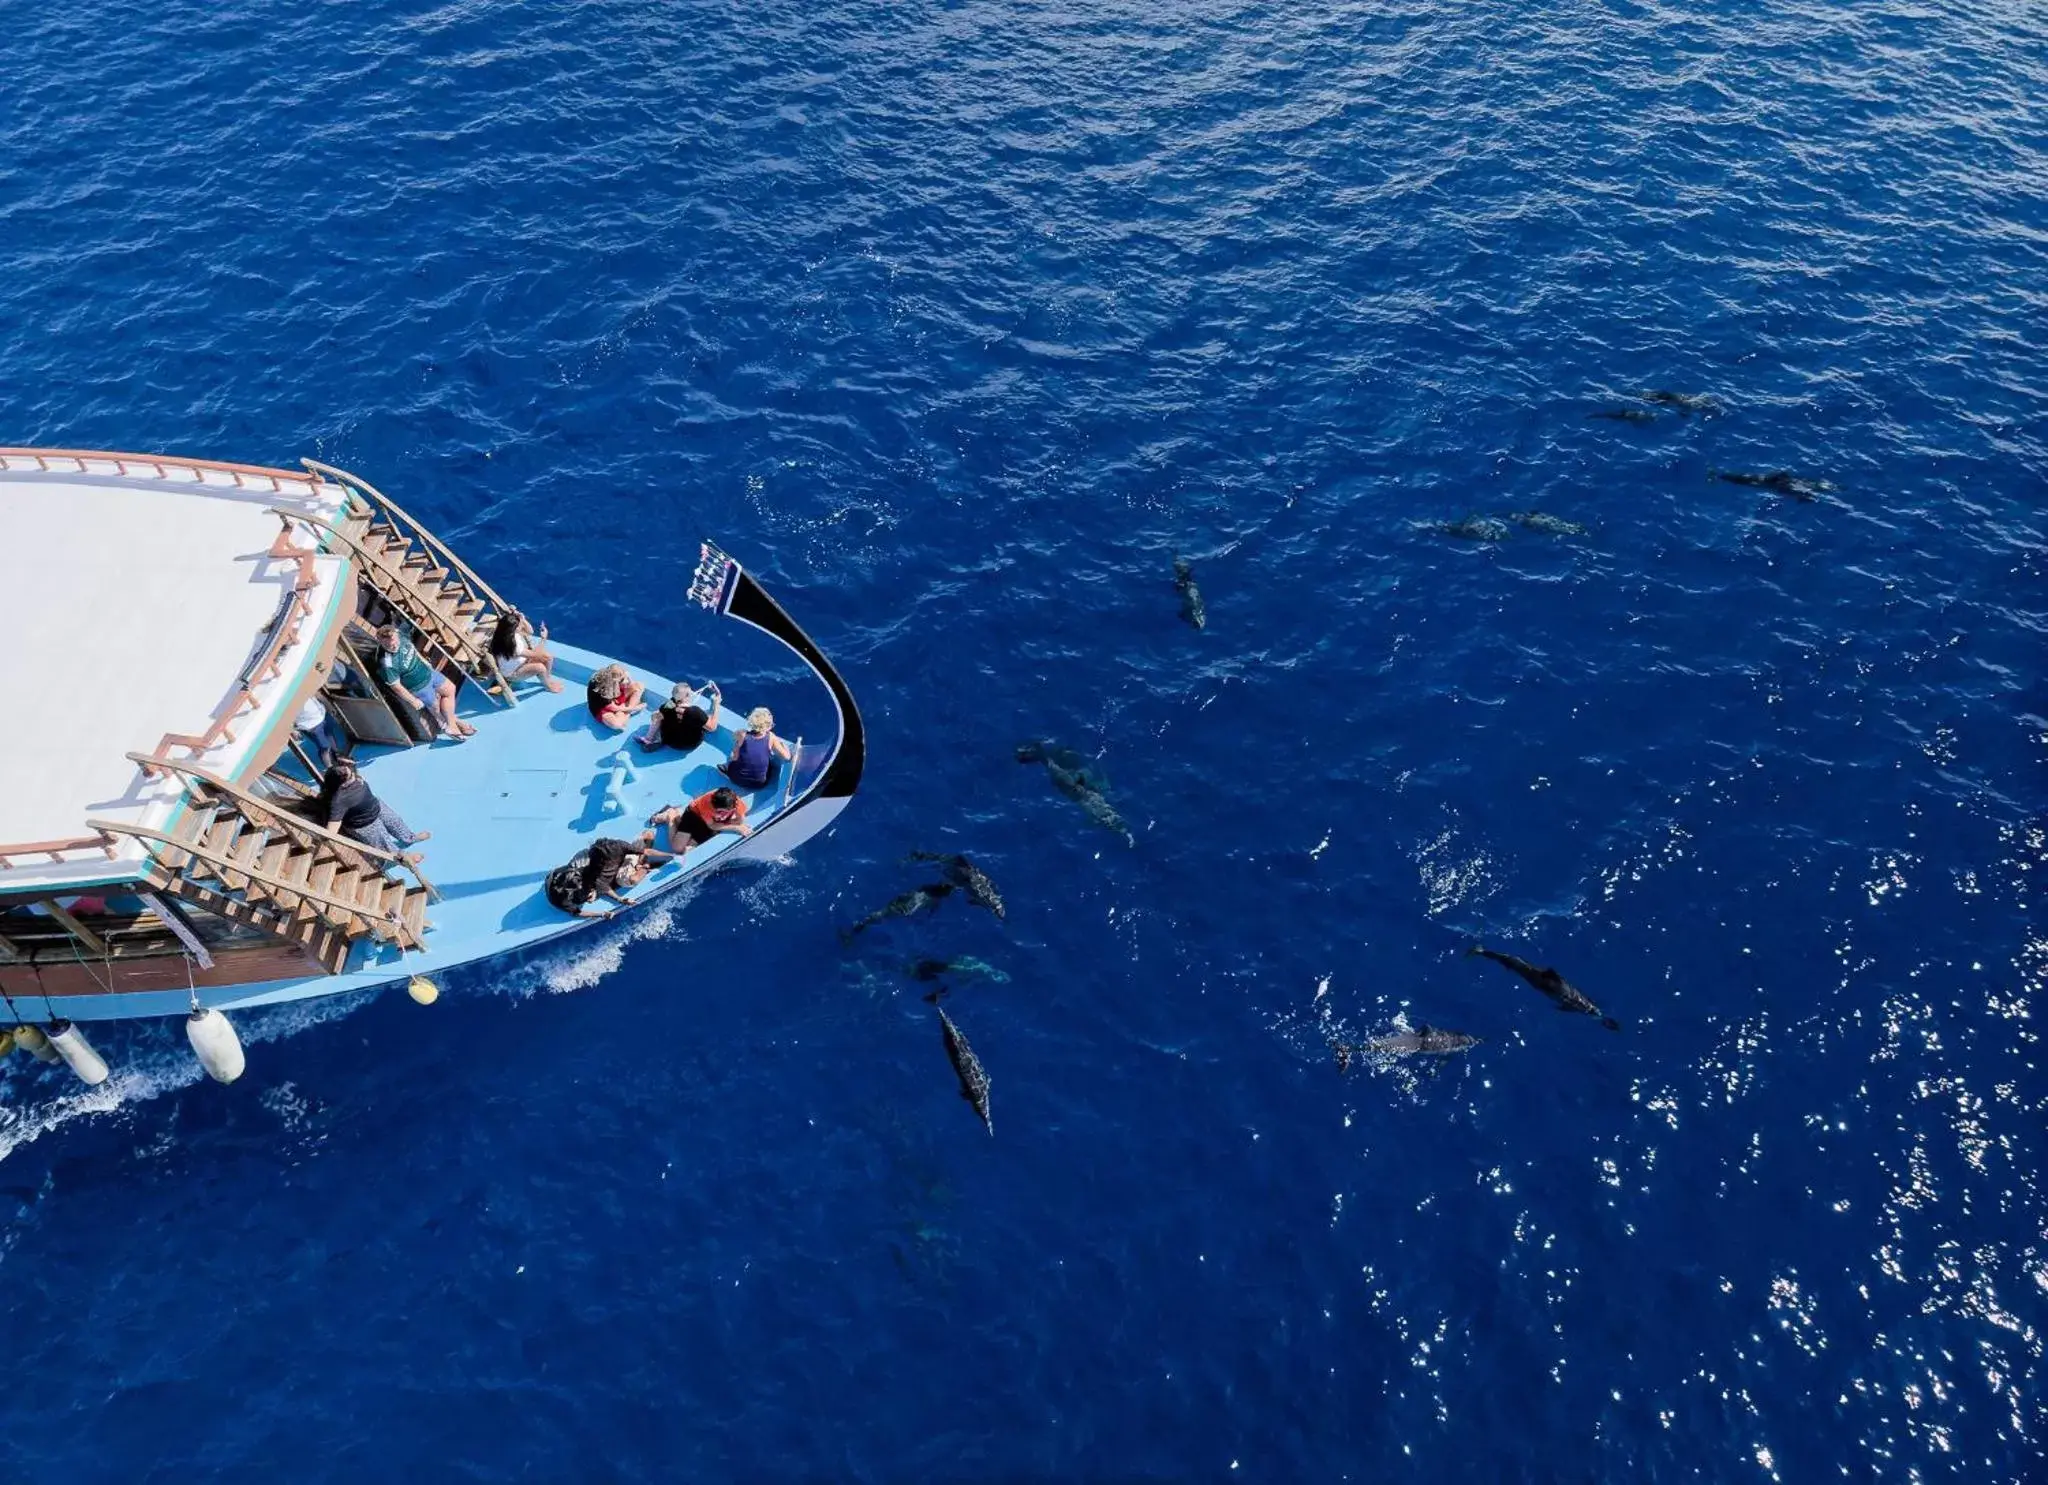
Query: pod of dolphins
960	874
1086	785
1660	401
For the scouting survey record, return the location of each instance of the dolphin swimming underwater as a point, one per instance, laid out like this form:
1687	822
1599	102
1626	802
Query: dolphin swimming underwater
1192	608
966	967
1549	525
974	1081
970	878
1423	1039
1684	403
1473	528
904	905
1054	756
1625	414
1081	784
1778	482
1567	995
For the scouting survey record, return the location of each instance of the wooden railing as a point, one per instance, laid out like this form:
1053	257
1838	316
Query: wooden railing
285	632
405	525
55	849
266	667
156	465
259	811
290	897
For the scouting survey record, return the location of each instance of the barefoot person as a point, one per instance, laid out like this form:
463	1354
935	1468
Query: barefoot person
683	722
608	870
720	812
520	653
400	665
613	697
347	805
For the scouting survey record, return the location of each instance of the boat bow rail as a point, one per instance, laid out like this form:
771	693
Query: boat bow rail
729	590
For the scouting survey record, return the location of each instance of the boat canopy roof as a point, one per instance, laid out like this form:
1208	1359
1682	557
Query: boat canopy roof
151	609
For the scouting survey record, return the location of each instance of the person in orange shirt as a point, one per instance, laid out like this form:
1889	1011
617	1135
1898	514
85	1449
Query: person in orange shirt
720	812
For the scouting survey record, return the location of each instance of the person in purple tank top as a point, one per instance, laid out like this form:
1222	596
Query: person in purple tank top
759	754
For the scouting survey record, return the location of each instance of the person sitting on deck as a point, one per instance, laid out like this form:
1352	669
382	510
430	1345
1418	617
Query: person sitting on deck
682	723
345	804
606	870
757	756
520	653
400	666
720	812
613	696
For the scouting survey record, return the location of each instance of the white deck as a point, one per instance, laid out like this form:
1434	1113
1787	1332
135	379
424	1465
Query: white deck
132	606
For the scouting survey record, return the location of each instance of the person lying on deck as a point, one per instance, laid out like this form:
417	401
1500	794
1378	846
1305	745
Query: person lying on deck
346	804
682	723
520	653
400	666
758	755
613	696
720	812
608	869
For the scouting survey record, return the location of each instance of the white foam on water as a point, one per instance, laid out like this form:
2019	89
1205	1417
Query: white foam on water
591	957
148	1060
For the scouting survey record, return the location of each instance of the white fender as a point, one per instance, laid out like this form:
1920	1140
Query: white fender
31	1040
70	1044
215	1044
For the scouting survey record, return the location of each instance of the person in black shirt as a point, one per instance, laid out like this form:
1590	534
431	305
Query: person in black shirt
683	723
346	805
606	870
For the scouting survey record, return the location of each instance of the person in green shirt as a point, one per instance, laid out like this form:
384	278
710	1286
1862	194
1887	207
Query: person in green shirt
400	665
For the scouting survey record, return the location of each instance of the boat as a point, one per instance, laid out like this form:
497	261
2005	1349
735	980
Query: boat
159	855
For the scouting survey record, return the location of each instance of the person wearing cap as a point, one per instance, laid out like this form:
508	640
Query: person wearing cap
683	723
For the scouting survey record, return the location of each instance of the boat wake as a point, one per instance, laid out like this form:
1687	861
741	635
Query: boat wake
588	958
148	1060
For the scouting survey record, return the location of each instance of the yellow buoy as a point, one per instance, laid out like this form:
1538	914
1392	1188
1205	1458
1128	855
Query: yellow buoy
423	990
6	1043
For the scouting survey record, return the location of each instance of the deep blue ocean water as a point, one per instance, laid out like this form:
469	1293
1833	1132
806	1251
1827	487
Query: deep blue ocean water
956	323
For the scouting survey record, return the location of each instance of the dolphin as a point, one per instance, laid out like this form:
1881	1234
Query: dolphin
1053	755
1192	608
902	906
967	1067
1625	414
1078	788
1473	528
1425	1039
1549	525
966	967
1567	995
970	878
1684	403
1079	782
1778	482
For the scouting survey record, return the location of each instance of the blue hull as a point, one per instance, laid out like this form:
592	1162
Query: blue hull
507	807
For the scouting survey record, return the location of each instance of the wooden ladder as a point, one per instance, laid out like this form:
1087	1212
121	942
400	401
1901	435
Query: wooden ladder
414	571
254	862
